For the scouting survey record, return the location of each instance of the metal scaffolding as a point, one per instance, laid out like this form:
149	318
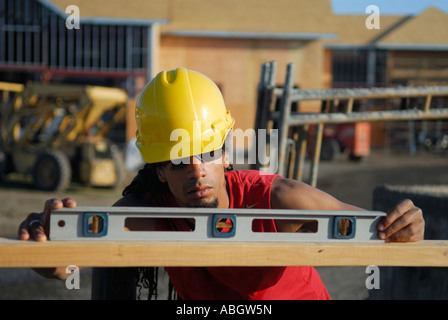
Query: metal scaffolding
336	108
34	36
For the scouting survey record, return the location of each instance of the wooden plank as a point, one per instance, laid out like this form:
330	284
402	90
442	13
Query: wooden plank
16	253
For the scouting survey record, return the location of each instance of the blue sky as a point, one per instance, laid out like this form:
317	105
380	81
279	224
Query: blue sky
399	7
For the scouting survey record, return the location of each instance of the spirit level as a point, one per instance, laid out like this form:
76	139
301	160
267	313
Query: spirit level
136	223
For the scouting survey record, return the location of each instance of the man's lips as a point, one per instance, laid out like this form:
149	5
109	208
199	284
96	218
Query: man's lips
199	192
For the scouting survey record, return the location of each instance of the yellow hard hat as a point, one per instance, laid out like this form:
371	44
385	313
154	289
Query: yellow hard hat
180	113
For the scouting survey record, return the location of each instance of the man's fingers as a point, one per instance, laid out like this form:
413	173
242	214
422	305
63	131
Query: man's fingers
408	227
23	234
395	214
23	231
408	234
32	228
36	225
69	203
38	233
52	204
399	223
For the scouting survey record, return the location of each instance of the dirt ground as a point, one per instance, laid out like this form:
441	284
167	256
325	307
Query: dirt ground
348	181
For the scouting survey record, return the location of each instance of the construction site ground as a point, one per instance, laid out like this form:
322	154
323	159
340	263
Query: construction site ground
351	182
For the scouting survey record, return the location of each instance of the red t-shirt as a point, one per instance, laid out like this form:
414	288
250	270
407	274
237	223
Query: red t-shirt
248	189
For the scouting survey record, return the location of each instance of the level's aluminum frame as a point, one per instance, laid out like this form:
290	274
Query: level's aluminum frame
69	224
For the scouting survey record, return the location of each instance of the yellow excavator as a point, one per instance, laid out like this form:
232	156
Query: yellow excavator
57	133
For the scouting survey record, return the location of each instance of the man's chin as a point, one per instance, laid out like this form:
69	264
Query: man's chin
205	204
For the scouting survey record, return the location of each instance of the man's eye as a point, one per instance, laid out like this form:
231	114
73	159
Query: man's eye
177	166
210	156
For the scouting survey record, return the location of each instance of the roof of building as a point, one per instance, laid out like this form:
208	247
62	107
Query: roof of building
282	19
428	29
114	10
236	18
352	30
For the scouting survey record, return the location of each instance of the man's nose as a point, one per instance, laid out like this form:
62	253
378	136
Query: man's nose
196	168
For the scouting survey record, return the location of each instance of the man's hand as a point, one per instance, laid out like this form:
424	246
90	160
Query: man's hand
36	225
404	223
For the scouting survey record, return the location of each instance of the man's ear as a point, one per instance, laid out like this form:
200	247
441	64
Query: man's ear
161	174
225	160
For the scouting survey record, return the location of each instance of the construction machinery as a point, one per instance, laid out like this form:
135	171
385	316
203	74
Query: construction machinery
57	133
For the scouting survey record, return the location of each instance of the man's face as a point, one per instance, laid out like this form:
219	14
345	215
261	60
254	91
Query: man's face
199	183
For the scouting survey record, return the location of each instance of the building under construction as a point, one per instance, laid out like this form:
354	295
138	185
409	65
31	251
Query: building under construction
124	43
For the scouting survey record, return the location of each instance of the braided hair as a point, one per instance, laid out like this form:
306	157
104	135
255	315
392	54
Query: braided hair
147	184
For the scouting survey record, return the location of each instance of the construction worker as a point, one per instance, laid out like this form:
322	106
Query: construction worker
194	172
